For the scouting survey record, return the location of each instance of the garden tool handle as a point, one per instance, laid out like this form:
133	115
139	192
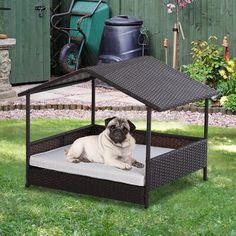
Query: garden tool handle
88	15
181	30
61	15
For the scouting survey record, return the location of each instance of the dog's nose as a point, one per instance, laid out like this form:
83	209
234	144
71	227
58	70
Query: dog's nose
118	130
118	135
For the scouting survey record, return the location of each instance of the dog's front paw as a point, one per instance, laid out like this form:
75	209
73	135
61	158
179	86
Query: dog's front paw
125	166
137	164
73	160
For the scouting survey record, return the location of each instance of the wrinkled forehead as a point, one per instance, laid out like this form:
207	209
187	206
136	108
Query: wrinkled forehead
119	122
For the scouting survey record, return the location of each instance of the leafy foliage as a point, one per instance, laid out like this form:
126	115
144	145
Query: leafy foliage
227	85
210	67
230	103
207	61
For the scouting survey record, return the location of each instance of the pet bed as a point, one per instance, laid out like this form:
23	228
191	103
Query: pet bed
160	88
55	160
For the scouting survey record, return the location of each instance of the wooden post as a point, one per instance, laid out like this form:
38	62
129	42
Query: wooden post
175	45
226	45
165	45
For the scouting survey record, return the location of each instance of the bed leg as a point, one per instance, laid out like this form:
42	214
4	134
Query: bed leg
146	201
205	177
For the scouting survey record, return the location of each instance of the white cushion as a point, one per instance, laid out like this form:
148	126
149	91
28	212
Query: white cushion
55	160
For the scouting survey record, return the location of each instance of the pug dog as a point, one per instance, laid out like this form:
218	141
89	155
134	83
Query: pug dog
113	147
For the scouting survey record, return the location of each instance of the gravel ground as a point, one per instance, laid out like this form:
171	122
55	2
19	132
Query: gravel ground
216	119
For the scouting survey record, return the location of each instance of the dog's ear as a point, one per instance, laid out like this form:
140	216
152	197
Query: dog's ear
108	120
132	126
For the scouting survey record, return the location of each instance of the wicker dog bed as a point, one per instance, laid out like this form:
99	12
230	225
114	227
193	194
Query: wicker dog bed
166	157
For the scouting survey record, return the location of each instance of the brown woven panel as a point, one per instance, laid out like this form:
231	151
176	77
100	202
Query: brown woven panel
151	82
86	185
171	141
146	79
164	140
62	81
66	138
45	145
190	155
158	139
97	129
59	140
178	163
70	137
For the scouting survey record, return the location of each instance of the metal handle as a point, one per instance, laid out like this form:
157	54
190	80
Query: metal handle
88	15
40	9
5	8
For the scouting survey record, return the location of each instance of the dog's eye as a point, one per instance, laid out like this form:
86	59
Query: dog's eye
124	129
112	127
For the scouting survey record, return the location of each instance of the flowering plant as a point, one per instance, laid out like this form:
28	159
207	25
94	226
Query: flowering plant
227	83
171	7
227	86
208	61
210	67
183	3
228	70
229	102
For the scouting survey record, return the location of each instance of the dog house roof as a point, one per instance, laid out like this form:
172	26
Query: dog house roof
146	79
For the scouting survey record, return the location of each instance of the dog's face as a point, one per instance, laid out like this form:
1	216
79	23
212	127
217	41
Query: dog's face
119	128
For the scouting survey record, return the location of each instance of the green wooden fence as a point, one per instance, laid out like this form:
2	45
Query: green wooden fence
31	55
200	20
1	17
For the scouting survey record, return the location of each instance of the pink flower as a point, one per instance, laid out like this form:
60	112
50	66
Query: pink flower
183	3
170	7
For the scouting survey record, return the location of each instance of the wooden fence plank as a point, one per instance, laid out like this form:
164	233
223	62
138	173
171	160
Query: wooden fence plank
199	20
31	55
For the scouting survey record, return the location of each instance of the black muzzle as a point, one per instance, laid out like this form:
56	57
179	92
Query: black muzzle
117	135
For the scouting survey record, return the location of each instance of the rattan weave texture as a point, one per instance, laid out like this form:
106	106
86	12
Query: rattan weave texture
156	85
190	155
178	163
60	140
146	79
152	82
86	185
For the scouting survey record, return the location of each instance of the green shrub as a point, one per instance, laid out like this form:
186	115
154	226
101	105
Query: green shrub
227	85
229	102
207	62
210	67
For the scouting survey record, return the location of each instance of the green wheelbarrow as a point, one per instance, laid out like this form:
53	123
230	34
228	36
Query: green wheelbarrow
87	19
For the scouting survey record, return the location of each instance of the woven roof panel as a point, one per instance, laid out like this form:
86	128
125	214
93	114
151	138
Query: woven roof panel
152	82
144	78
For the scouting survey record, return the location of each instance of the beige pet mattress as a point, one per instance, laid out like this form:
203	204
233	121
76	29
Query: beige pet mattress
55	160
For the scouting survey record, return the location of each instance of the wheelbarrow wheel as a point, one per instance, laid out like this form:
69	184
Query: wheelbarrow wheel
68	58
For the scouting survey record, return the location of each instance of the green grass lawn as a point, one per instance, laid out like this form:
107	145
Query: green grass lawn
188	206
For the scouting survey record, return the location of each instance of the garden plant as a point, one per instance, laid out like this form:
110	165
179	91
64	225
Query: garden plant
210	67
